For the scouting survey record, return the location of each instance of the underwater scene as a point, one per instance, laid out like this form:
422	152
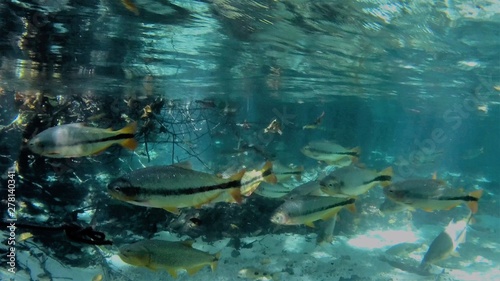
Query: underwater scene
269	140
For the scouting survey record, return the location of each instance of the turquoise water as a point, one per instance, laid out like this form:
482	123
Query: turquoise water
414	84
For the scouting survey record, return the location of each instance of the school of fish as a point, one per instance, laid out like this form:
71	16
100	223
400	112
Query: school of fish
178	186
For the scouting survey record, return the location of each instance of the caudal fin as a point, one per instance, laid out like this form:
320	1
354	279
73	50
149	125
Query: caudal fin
356	152
236	192
473	204
386	175
213	265
267	173
130	129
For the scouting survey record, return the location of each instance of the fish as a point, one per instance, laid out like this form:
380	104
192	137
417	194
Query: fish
331	153
308	209
314	124
24	236
171	256
354	181
252	273
446	243
274	127
473	153
172	187
308	188
403	249
271	190
252	179
389	207
250	182
77	140
430	195
284	173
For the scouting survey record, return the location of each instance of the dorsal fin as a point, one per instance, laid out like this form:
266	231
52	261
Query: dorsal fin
188	243
184	164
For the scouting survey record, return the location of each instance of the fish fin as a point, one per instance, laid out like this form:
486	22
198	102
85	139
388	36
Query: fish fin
472	220
300	169
129	5
172	271
359	165
213	265
101	150
193	270
236	194
129	143
184	164
357	151
238	176
434	175
78	125
271	178
388	172
476	194
330	215
351	208
172	210
455	254
131	128
310	224
473	206
432	210
188	243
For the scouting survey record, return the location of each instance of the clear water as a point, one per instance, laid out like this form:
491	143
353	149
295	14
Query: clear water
415	84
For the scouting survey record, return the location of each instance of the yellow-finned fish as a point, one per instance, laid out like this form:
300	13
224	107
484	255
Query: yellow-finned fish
331	153
308	188
284	173
354	181
272	190
390	207
171	256
307	209
172	187
76	140
250	182
430	195
446	242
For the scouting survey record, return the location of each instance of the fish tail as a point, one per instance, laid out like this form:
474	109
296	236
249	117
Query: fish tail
356	152
236	192
473	204
213	265
130	129
299	172
267	172
352	208
386	176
